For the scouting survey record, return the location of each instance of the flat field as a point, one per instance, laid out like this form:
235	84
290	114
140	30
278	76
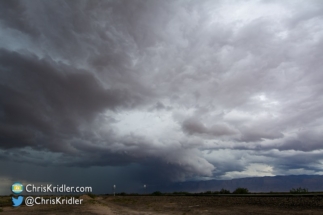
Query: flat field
177	205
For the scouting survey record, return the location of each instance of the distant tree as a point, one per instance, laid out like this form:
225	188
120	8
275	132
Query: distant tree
224	191
157	193
241	190
181	193
298	190
134	194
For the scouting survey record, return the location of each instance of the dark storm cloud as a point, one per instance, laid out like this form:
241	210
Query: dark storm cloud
182	88
9	11
42	100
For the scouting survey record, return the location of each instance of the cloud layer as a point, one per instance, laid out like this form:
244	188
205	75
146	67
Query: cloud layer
185	89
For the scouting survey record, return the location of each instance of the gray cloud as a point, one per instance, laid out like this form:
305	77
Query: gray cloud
165	85
194	126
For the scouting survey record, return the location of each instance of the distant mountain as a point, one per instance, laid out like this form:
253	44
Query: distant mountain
254	184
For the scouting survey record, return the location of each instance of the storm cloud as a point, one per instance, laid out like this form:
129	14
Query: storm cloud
181	90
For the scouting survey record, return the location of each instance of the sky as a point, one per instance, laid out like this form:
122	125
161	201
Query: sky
136	92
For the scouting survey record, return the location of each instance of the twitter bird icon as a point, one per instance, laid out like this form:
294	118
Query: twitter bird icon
17	201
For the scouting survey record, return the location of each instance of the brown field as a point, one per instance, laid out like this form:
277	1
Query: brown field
177	205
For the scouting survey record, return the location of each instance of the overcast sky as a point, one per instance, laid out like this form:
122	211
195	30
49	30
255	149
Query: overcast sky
147	92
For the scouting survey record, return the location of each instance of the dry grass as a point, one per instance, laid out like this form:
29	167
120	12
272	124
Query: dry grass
176	205
214	204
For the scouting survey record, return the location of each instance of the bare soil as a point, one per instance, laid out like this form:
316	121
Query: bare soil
175	205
